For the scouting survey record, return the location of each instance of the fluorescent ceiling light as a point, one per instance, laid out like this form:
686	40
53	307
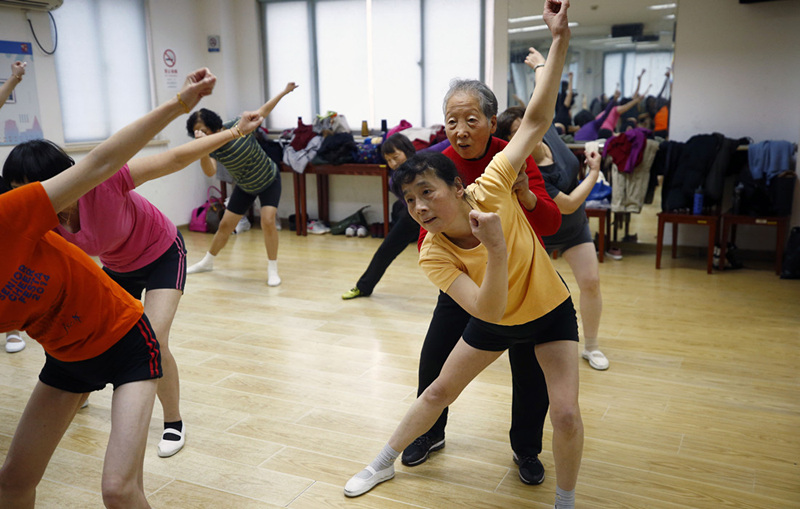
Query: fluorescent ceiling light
662	6
534	28
525	18
669	16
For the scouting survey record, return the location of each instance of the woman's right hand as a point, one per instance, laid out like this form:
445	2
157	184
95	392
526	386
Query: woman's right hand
486	227
593	162
534	58
18	69
198	84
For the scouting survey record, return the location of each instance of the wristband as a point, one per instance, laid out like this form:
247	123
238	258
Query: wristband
185	108
537	66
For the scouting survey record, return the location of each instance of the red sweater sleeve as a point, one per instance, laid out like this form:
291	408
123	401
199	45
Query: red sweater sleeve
545	218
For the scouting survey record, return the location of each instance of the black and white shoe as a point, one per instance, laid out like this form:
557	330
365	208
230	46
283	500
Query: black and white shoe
417	453
531	470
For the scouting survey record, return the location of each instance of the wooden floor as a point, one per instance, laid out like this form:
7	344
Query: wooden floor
289	391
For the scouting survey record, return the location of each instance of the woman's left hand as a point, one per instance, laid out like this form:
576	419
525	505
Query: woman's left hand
249	122
555	16
198	84
593	162
534	58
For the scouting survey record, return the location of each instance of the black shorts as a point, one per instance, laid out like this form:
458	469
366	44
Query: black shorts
168	271
135	357
560	324
241	200
584	236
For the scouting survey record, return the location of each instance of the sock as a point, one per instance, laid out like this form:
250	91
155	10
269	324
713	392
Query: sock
177	426
565	499
273	279
204	265
382	461
591	344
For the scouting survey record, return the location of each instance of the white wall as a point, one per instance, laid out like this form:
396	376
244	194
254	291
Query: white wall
737	71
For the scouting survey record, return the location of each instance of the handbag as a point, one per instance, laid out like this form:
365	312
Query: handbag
356	217
206	217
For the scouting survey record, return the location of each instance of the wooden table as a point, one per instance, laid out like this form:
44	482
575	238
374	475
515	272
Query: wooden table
604	230
322	171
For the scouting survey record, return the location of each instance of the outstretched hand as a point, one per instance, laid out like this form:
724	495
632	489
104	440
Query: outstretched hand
290	87
555	17
198	84
486	228
593	161
249	121
534	58
18	69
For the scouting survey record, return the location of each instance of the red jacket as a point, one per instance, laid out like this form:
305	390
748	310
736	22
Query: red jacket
545	218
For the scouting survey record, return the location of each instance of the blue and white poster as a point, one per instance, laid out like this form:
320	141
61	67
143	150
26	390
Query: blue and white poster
19	116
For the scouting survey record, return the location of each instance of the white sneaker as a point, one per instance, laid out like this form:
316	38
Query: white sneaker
362	231
243	226
200	267
278	225
350	231
317	228
167	448
367	479
15	346
596	359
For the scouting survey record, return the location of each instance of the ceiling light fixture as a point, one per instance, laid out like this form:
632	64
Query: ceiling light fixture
534	28
525	18
662	6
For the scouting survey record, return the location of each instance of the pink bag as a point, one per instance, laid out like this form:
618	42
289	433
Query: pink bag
206	217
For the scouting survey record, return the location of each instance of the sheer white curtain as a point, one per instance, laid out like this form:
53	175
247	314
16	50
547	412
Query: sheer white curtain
452	49
101	66
289	57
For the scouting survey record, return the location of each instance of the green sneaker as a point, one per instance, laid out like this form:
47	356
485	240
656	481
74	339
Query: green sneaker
352	294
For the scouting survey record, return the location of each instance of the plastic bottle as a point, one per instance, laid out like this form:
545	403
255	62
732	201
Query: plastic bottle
384	128
697	208
737	198
364	129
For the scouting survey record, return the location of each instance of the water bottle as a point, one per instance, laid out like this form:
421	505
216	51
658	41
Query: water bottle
384	128
697	208
364	129
737	198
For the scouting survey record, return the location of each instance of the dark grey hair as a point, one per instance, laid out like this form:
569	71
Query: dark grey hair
485	96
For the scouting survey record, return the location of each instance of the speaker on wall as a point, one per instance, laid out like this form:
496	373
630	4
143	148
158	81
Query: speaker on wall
629	30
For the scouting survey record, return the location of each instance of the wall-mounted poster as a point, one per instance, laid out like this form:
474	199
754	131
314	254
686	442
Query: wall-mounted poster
19	116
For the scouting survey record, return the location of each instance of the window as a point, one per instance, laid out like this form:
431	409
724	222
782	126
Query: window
365	58
101	67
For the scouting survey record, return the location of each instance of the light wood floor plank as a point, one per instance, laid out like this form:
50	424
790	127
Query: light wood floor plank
289	391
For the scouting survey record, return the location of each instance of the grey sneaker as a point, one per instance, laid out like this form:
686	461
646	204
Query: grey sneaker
417	453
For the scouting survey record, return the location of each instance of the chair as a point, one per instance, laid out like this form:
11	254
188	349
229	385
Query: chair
604	217
676	218
730	220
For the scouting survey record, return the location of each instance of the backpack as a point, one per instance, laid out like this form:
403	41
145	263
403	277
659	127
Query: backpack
207	216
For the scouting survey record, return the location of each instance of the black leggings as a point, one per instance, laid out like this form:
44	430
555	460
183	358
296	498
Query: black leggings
404	232
529	402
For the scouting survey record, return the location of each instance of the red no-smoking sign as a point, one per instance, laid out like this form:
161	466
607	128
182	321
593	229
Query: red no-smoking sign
169	58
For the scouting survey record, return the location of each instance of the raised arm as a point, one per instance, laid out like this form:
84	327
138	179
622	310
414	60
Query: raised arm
569	203
568	95
108	157
539	113
628	105
17	71
639	83
267	108
148	168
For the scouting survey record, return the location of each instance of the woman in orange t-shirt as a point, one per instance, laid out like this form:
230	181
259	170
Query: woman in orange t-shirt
53	291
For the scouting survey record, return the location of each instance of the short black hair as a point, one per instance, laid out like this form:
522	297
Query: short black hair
209	118
440	164
35	161
506	119
397	142
4	187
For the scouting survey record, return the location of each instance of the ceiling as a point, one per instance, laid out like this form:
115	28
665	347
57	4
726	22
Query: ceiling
595	18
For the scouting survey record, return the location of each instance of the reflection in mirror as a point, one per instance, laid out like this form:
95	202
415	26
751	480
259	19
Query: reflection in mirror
613	41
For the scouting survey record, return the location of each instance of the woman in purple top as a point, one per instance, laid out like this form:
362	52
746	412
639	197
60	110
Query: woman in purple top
137	244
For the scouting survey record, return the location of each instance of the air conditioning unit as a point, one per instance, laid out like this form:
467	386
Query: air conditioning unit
32	5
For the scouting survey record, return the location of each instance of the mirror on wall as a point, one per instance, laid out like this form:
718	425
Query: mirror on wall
612	42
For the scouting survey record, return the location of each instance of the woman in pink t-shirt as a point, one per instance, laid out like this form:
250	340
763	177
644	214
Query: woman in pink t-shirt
139	247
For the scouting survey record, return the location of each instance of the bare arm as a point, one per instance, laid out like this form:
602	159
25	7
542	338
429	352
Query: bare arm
149	168
568	97
17	71
107	158
628	105
267	108
539	113
569	203
488	301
